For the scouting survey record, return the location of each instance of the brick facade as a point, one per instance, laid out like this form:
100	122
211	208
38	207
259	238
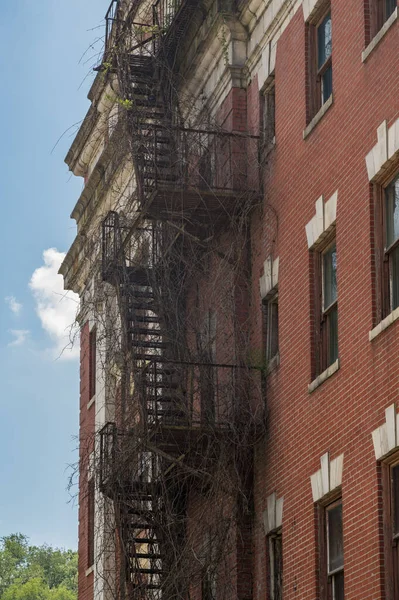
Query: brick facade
86	447
339	415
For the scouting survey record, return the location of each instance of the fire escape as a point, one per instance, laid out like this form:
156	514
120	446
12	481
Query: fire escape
175	409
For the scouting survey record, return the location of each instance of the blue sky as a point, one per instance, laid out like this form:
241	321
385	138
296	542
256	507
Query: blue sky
43	94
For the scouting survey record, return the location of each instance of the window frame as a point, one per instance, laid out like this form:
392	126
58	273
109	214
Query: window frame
90	522
92	362
276	534
384	300
326	577
268	116
315	73
322	314
270	336
391	540
378	14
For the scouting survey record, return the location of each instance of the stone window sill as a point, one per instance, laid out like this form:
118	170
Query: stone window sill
323	376
384	324
318	116
273	363
89	570
92	401
380	35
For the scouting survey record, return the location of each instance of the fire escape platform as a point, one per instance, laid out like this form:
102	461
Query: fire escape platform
167	200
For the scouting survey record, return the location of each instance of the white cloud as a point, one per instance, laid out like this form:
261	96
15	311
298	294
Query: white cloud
55	307
13	305
20	336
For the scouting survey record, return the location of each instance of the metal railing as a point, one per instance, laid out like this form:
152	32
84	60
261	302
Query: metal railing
194	158
110	18
164	12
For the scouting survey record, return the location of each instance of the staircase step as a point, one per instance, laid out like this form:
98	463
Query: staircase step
145	331
149	572
145	319
149	556
149	344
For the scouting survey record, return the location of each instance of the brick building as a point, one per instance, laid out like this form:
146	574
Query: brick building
237	262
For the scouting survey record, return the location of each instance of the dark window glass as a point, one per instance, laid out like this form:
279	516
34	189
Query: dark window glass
330	276
275	570
335	550
392	212
390	6
335	539
90	523
395	499
92	362
326	84
324	41
392	239
271	315
332	335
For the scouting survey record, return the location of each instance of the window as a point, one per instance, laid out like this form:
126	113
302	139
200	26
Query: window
92	362
391	527
320	60
268	105
387	247
379	12
275	565
331	552
90	522
326	329
270	315
391	258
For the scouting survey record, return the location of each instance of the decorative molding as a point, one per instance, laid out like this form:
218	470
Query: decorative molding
328	477
385	150
273	515
310	8
269	279
323	221
386	437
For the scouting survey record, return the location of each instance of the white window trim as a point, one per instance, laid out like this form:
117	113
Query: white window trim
384	324
273	515
328	477
269	280
323	221
386	437
385	151
323	376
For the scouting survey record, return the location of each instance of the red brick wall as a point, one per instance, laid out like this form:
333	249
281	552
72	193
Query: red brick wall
86	446
341	414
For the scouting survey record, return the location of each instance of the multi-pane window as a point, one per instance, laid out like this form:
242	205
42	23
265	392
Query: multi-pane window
320	60
324	58
90	522
391	218
268	116
330	306
331	552
325	307
270	313
275	565
335	551
92	362
391	527
379	12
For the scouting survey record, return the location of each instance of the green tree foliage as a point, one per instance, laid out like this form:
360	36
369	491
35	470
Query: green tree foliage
36	572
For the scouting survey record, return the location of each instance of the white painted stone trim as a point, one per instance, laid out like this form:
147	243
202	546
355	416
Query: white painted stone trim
92	401
386	437
387	146
90	469
310	7
323	376
269	279
273	515
89	570
328	477
323	220
380	35
384	324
